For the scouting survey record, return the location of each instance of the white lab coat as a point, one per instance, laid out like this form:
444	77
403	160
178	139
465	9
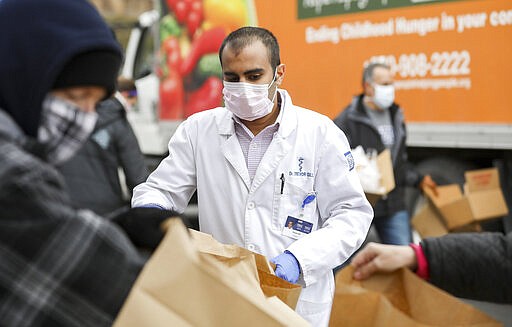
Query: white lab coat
311	152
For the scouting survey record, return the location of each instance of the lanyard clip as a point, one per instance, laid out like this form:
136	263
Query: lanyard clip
308	199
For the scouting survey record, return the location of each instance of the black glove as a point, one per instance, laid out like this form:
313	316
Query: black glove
144	225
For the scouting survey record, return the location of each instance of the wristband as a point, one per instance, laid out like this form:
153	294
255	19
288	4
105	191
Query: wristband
422	270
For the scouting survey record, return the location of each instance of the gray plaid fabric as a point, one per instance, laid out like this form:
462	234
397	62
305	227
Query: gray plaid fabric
64	128
58	266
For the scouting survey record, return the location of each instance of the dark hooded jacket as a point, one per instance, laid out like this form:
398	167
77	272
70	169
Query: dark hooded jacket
359	129
58	266
472	265
92	174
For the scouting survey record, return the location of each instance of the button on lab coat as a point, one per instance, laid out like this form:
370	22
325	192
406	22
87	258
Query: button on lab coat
312	155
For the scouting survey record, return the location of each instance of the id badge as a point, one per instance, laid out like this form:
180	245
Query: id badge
296	228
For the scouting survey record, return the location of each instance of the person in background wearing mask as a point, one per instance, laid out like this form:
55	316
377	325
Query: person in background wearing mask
259	163
58	266
374	121
93	174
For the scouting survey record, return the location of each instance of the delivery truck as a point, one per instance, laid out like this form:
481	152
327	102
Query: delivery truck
451	60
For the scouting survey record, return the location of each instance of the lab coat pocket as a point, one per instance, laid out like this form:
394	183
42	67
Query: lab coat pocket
291	206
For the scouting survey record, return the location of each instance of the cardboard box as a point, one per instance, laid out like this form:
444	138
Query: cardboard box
428	222
387	177
454	211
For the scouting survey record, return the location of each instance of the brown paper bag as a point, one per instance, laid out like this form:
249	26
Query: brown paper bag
270	284
181	287
399	299
205	243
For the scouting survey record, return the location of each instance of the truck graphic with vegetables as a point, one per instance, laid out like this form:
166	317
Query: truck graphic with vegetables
451	60
173	55
191	33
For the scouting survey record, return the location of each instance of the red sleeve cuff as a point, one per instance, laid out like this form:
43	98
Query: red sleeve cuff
422	270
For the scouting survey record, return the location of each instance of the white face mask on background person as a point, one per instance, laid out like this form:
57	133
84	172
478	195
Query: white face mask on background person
383	96
64	128
248	101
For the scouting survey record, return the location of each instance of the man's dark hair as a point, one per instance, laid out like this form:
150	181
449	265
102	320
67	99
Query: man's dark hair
368	71
242	37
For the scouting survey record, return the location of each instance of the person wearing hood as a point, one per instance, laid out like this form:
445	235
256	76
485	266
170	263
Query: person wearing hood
374	121
93	174
58	266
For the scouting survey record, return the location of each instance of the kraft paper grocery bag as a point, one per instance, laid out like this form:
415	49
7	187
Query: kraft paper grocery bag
274	286
207	244
399	299
243	265
270	284
179	286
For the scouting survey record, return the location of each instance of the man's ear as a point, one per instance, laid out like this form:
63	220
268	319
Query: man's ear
368	89
280	74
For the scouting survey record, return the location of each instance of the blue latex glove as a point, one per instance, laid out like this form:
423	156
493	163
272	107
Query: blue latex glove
151	205
287	267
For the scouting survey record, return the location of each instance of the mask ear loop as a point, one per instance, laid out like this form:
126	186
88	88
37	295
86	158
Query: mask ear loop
270	85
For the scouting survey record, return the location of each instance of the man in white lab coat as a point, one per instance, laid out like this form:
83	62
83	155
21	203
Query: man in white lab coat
261	164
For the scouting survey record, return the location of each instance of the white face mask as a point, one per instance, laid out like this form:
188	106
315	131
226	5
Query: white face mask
248	101
384	95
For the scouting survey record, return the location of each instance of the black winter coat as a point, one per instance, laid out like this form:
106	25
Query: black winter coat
359	129
92	174
472	265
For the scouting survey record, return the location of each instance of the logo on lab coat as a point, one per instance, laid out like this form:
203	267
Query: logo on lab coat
300	172
350	160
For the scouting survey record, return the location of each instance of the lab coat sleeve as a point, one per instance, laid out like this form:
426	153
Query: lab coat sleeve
345	214
173	182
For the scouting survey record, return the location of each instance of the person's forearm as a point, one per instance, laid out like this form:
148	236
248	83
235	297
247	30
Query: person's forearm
472	265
